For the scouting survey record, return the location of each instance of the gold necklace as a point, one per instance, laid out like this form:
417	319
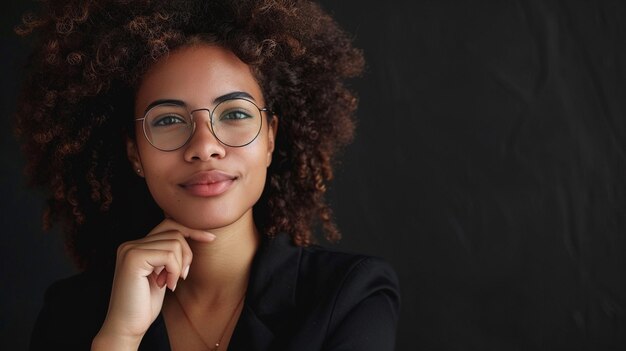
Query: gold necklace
217	344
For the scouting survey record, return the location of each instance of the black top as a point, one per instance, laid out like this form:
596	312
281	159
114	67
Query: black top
298	298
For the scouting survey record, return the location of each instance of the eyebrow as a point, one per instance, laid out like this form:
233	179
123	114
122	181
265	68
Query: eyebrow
217	100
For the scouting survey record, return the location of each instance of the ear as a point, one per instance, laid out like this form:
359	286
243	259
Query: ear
271	138
133	156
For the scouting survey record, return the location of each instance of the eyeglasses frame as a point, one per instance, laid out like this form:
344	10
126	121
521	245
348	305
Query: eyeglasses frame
193	131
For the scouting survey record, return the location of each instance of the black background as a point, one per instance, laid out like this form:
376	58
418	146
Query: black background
489	168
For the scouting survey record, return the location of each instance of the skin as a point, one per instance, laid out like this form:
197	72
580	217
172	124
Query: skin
209	241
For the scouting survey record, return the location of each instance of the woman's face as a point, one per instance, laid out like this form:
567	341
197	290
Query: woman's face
204	184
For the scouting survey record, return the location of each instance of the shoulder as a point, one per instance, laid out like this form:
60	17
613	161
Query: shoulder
341	300
76	285
73	311
282	267
341	281
347	272
80	293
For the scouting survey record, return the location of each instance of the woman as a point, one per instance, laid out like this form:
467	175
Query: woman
230	114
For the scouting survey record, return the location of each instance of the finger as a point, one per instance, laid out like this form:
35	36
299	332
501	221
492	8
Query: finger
189	233
161	279
173	242
158	279
149	260
160	240
172	280
158	270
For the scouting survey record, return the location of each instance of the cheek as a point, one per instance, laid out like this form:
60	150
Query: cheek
256	168
157	186
255	171
157	168
256	154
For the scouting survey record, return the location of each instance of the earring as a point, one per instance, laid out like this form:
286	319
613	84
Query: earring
138	170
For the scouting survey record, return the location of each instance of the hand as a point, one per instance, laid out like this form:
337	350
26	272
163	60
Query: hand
143	270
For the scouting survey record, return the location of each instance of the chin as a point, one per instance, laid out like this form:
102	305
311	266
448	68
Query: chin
209	221
203	223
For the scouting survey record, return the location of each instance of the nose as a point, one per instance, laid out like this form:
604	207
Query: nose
203	145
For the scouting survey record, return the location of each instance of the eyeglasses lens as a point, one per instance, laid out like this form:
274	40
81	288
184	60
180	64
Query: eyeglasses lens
235	122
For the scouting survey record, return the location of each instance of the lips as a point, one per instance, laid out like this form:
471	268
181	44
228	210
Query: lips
208	183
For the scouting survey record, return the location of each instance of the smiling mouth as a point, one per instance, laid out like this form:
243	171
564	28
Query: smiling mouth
206	184
208	189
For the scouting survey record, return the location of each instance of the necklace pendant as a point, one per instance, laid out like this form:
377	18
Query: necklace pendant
217	346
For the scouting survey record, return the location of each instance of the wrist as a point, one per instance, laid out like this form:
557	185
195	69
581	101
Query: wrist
109	341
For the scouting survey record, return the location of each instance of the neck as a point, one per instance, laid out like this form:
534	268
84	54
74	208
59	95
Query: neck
220	269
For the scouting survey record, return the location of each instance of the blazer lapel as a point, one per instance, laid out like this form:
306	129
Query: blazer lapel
250	333
270	299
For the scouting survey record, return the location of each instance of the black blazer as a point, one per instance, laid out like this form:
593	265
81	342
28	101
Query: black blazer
298	299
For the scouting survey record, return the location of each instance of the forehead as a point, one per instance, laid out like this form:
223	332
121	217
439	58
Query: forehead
196	75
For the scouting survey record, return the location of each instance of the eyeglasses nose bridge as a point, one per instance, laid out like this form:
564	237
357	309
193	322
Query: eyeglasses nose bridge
209	122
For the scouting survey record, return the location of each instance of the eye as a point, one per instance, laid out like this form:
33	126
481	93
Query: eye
168	120
235	115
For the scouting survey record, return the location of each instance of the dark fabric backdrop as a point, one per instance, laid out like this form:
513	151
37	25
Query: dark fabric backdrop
489	168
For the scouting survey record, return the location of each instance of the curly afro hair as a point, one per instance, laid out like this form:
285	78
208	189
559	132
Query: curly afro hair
75	108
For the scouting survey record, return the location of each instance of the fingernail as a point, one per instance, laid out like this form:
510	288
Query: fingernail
211	236
174	288
185	272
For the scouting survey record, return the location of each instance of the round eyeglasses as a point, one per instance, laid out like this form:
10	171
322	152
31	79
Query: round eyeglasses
234	122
